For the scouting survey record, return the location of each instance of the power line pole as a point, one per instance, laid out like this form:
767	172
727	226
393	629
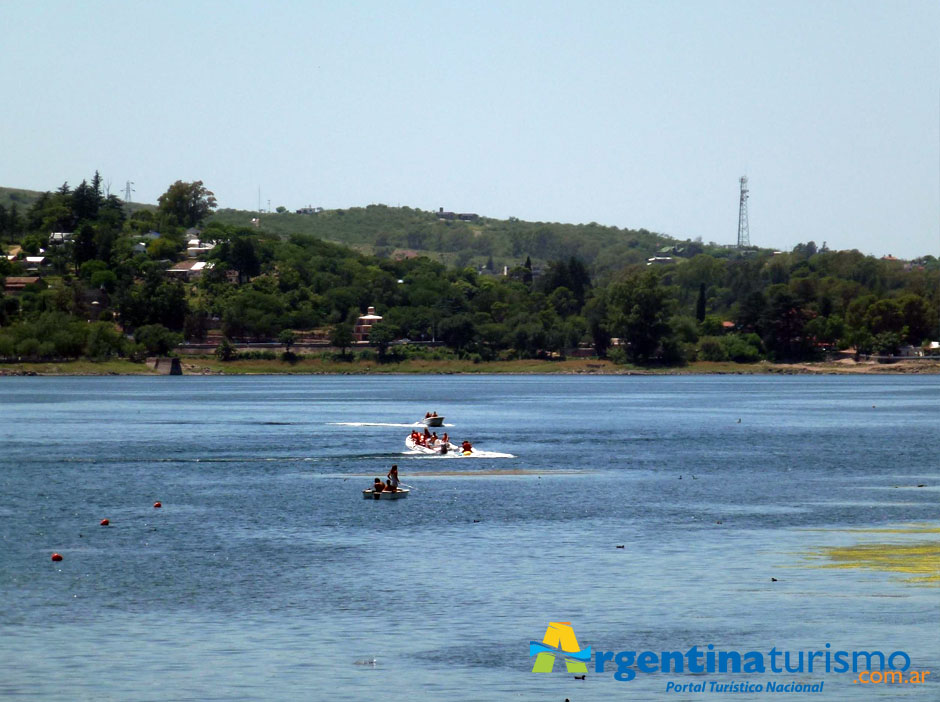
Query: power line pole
128	189
744	235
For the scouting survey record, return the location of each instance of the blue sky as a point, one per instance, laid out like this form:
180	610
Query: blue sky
633	114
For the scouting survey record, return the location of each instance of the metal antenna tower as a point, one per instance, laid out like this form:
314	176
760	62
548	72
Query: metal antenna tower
744	235
128	190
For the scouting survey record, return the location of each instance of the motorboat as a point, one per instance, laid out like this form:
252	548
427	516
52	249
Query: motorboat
433	421
370	494
436	449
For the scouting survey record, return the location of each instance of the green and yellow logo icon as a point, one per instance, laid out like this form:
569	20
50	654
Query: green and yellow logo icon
559	641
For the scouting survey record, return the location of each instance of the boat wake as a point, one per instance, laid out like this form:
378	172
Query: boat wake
381	424
457	454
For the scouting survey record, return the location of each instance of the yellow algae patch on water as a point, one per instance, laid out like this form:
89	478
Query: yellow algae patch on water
915	528
919	559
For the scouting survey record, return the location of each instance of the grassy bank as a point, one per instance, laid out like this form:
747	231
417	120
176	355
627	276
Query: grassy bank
315	366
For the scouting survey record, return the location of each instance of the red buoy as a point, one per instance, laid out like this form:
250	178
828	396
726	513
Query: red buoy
105	522
157	505
56	557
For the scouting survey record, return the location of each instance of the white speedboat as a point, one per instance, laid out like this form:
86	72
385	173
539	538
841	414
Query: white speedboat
433	421
437	449
370	494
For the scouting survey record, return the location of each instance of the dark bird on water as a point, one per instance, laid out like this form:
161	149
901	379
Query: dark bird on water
773	580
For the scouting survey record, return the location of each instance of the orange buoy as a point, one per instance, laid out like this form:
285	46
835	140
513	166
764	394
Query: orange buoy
105	522
56	557
157	505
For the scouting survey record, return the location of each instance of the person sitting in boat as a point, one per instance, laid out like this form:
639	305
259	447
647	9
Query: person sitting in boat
433	440
427	414
466	446
377	486
393	476
433	414
427	433
445	438
389	487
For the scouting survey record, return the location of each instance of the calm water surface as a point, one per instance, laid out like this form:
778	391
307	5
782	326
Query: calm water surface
265	576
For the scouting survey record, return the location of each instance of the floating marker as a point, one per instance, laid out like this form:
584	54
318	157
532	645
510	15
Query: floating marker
56	557
157	505
105	522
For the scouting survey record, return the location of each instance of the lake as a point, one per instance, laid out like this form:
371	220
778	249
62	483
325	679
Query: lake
266	576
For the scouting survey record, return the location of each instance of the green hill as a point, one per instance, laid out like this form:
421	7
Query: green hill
23	199
396	232
404	232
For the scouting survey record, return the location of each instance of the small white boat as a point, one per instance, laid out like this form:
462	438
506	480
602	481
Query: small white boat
433	421
436	449
370	494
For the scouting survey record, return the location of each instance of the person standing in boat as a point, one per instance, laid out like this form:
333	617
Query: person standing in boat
393	477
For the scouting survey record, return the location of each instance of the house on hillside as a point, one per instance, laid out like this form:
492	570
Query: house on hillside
33	264
364	324
16	284
59	238
463	216
195	247
188	270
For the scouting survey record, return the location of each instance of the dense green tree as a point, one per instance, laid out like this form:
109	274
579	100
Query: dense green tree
288	338
639	309
341	337
595	312
225	351
83	246
784	326
381	336
187	204
244	259
700	303
157	339
919	318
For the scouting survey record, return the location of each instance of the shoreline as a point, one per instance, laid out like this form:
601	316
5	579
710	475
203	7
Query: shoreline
211	366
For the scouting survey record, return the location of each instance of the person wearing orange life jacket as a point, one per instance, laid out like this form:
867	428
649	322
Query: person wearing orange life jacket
466	446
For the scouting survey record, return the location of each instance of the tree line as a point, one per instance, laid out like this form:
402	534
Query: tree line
106	292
